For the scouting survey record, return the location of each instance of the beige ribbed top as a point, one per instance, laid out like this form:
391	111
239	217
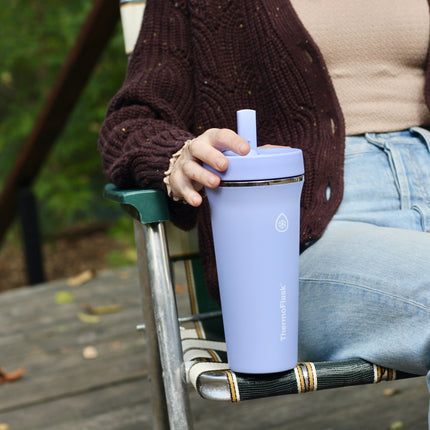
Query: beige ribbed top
375	53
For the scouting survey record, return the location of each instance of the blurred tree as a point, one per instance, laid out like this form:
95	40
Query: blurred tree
39	37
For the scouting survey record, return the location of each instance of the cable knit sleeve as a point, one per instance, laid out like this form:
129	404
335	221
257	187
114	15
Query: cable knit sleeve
150	117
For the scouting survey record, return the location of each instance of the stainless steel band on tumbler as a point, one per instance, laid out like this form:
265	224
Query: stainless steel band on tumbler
257	183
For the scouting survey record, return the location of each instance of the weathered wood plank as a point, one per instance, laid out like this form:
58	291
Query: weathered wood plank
63	391
108	408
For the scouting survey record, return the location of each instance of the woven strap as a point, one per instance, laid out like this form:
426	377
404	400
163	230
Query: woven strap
307	377
209	373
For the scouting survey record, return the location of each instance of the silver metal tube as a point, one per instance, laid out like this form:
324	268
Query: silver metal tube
189	318
160	314
200	317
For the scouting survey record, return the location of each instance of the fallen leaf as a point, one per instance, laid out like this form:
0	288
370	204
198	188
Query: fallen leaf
124	275
115	345
11	376
76	281
63	297
90	352
390	392
4	426
397	425
88	319
101	310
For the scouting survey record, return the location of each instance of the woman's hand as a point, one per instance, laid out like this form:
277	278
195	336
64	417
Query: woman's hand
188	176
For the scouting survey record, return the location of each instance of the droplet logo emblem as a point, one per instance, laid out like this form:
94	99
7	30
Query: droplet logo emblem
281	223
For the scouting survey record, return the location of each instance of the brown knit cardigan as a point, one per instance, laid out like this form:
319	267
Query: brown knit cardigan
196	63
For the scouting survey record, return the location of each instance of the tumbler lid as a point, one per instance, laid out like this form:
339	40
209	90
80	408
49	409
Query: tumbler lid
260	163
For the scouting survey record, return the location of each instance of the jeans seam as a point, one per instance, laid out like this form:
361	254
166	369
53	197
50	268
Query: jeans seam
397	168
401	299
419	175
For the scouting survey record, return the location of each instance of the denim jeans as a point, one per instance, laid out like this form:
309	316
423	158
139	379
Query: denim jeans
365	285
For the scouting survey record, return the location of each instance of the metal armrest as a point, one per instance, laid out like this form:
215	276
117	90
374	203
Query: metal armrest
169	392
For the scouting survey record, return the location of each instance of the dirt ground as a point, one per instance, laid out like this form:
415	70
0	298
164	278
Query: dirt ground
64	257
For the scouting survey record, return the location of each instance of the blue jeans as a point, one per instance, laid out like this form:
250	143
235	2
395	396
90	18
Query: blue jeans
365	285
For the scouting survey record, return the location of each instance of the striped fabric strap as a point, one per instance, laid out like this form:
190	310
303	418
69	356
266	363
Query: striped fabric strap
197	349
306	377
383	374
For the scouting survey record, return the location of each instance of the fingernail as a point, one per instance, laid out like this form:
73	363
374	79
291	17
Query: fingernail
243	148
220	163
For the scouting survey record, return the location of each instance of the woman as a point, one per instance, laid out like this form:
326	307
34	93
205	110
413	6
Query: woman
349	85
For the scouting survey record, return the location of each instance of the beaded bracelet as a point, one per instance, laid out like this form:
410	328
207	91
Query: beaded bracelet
168	172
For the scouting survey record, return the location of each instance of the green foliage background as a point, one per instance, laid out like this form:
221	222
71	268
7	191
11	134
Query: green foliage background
36	38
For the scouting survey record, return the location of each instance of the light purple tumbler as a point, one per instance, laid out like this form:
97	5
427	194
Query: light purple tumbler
255	214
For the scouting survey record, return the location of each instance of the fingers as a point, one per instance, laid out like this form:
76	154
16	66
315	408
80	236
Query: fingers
182	188
198	174
188	176
189	192
208	147
225	139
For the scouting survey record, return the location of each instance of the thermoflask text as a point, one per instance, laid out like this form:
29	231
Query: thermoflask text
255	215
